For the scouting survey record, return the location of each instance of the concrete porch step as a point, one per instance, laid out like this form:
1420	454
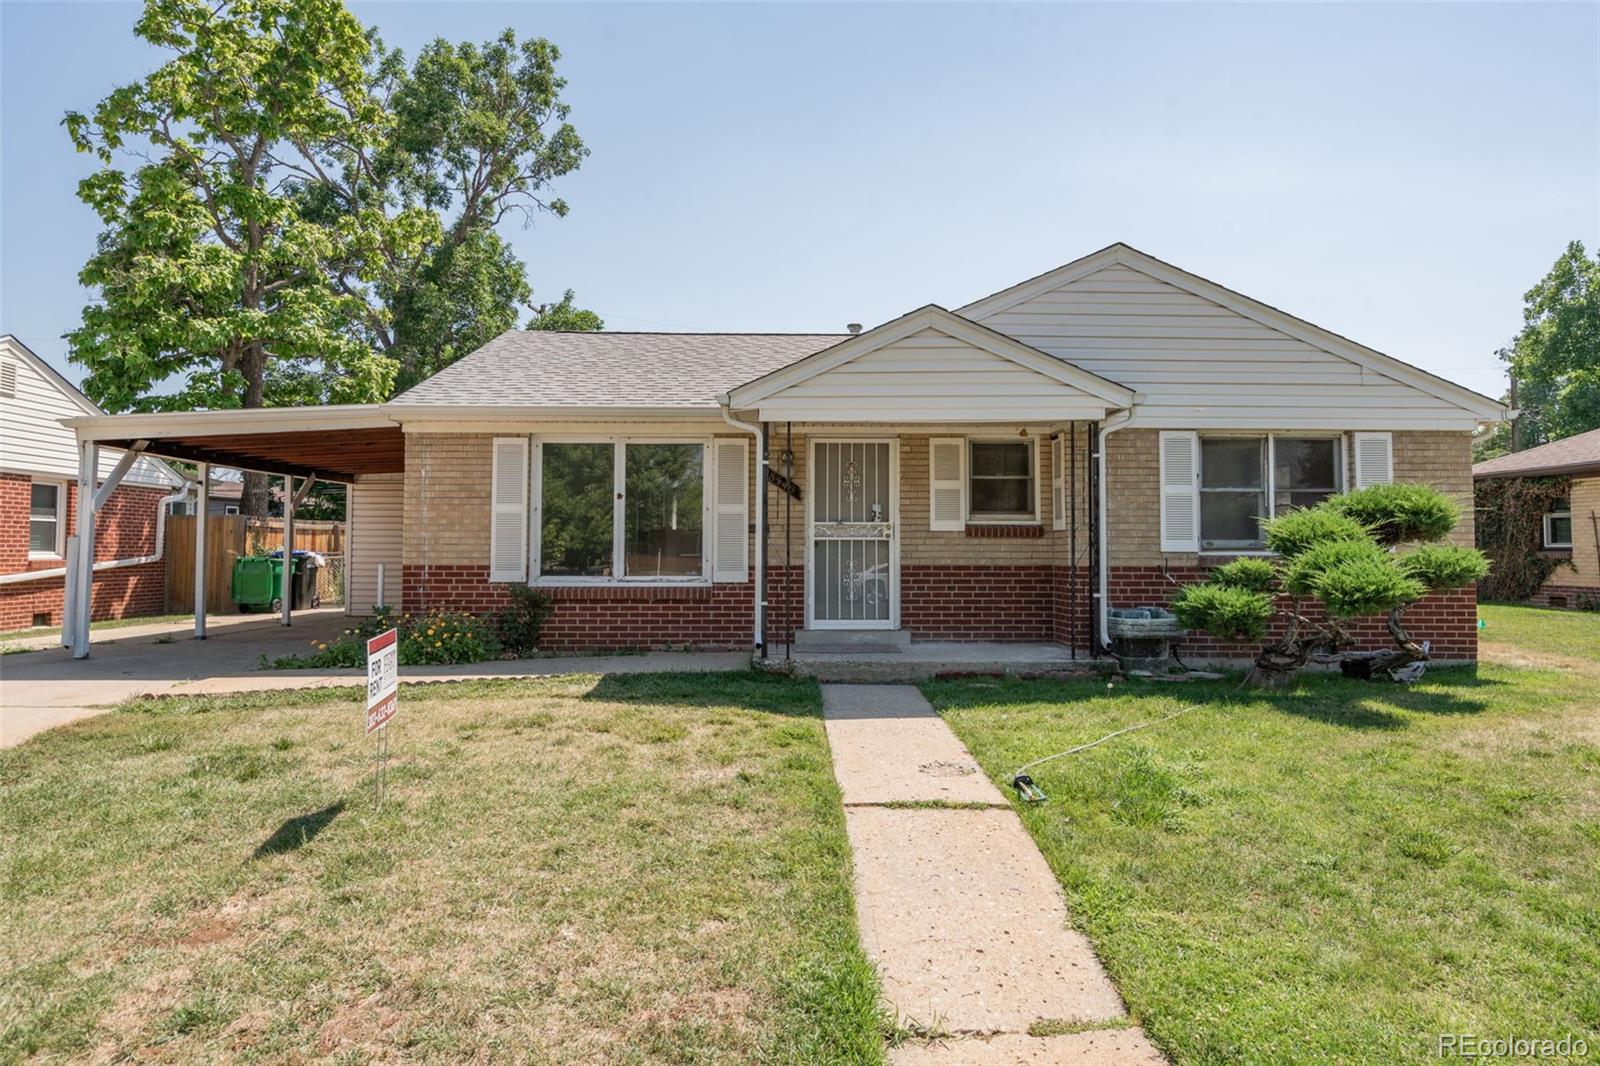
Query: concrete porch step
865	641
918	660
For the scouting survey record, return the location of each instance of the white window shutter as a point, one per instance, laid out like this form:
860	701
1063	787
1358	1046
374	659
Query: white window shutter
1374	459
1180	492
1058	480
731	558
947	483
508	510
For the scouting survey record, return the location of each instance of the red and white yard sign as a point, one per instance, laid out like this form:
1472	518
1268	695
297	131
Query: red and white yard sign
383	680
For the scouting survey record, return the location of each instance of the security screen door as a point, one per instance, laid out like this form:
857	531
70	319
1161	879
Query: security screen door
852	535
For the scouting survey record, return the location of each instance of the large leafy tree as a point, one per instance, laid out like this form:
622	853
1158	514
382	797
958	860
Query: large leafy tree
480	134
212	285
1555	360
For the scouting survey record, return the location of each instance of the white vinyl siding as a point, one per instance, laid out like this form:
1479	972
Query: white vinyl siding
33	441
731	526
1201	365
930	376
1374	459
1180	492
947	487
376	536
508	510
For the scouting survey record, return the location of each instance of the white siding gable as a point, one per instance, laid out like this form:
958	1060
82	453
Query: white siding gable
1200	364
930	376
32	439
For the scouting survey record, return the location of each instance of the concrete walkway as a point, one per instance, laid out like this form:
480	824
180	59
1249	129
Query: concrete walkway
43	689
957	908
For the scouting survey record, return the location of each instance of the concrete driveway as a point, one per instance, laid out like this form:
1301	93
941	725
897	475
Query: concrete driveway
43	689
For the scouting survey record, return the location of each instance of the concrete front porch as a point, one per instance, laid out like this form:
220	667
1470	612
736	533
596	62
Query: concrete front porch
886	657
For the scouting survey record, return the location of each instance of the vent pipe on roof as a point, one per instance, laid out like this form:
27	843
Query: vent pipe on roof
853	327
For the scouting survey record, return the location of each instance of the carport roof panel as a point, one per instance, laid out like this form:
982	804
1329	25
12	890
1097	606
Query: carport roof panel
336	443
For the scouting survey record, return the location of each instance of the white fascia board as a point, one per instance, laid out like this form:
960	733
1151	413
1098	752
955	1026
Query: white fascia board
1123	255
1045	412
750	395
416	412
1356	419
167	424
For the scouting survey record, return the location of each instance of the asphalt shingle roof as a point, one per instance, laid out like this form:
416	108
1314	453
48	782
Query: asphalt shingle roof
528	367
1571	454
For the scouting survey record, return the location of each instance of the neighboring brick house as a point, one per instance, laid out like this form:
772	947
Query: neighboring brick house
1003	472
38	504
1569	532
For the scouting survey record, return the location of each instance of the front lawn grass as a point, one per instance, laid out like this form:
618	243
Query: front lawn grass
1332	874
1516	631
630	869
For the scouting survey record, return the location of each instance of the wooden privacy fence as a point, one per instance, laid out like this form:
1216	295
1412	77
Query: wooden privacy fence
230	536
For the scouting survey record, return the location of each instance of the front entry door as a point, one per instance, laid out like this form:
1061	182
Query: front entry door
853	576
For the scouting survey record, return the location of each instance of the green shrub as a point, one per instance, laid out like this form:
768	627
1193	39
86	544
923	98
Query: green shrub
518	626
1362	585
1254	575
1398	514
1445	566
1300	576
1226	611
1301	530
444	637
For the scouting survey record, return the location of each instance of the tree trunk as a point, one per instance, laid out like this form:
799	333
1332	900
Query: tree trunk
1379	665
253	365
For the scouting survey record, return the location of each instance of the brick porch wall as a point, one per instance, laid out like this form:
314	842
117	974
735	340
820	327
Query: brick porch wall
126	529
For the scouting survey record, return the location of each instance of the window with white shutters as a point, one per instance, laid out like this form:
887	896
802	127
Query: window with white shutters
732	521
1374	459
947	504
508	517
1180	492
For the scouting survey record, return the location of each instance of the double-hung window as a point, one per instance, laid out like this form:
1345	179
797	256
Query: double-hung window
1245	480
622	509
1001	481
45	514
1558	525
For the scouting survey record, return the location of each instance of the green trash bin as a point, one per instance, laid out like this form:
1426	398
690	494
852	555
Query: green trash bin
256	581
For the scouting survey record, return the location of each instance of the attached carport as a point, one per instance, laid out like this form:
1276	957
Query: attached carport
302	445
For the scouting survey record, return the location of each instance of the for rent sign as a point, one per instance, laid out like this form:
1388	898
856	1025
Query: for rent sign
383	679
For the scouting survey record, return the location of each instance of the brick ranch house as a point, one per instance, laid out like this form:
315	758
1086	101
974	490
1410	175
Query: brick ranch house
1000	472
1569	532
38	504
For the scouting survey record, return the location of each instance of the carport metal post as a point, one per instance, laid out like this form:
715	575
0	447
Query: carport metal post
83	563
202	505
286	586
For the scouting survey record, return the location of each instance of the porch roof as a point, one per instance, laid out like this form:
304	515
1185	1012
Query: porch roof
333	443
931	366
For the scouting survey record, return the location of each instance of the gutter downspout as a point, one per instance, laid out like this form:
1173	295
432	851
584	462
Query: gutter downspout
1102	593
113	564
761	518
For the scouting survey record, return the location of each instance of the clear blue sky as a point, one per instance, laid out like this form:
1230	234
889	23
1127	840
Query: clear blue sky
1398	173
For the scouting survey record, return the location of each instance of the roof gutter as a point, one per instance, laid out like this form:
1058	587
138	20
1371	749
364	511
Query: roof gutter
1103	578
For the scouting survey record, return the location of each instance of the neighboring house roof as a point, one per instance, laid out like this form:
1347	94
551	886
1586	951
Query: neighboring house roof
33	402
1571	455
533	368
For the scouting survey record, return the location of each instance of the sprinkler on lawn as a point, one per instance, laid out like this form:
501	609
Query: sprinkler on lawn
1030	792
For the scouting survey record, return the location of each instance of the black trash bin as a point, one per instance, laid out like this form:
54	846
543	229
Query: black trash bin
303	583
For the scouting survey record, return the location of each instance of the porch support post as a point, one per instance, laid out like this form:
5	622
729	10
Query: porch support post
201	520
286	587
761	520
83	563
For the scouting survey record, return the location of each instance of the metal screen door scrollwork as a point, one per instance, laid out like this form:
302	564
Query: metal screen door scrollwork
851	533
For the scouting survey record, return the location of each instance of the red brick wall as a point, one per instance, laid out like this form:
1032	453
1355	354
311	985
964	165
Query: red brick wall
126	529
1448	619
1569	596
600	617
999	603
